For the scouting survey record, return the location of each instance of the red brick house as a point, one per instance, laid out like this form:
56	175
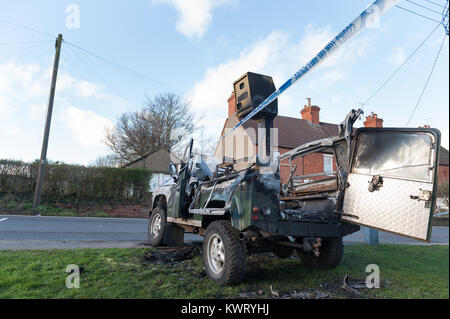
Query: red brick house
443	173
443	165
292	132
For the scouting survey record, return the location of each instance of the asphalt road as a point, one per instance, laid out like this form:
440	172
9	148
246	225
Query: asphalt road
30	233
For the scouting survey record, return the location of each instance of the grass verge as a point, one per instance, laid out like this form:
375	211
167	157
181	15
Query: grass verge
406	272
26	208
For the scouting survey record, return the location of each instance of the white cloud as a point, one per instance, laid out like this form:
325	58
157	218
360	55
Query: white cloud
398	56
87	89
76	134
279	56
87	127
14	81
213	91
194	15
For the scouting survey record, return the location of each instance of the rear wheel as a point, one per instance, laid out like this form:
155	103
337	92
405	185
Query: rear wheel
156	226
331	252
224	254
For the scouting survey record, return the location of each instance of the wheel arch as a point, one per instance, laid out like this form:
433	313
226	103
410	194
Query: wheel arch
159	200
208	219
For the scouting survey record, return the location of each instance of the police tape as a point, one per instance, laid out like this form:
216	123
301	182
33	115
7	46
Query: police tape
440	214
367	18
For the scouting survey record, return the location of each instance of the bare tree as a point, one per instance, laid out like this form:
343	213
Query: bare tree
109	160
161	124
204	143
170	117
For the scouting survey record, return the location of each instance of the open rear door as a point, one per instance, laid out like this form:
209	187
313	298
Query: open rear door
393	180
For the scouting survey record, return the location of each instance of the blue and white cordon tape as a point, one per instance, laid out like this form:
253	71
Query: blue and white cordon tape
368	18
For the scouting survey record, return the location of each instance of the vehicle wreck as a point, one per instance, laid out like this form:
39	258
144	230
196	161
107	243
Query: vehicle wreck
385	178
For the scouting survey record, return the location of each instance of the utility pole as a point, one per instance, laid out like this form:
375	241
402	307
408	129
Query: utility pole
43	160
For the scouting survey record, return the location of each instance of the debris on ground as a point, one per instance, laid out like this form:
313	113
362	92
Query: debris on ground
315	294
274	292
170	256
349	287
307	294
352	285
251	294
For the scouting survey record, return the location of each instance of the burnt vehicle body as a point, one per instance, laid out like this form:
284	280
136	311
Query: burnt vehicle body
385	178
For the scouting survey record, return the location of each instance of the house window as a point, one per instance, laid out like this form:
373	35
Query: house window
327	163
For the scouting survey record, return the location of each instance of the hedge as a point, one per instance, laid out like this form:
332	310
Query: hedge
73	183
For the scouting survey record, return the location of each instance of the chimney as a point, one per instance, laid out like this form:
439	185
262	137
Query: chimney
311	112
373	121
232	108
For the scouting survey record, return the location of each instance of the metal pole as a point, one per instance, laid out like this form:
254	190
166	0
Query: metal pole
371	236
43	160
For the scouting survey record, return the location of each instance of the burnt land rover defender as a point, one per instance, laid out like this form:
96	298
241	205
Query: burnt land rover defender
385	178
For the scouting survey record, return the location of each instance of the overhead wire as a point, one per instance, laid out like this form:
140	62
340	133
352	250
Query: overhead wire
23	43
126	69
427	81
90	67
424	7
27	28
21	49
400	67
158	84
445	14
418	14
437	4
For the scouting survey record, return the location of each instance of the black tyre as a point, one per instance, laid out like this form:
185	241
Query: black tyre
224	254
156	226
331	252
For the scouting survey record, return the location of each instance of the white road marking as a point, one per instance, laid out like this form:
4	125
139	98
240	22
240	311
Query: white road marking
1	220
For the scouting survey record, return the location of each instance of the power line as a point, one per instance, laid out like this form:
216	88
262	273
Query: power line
27	28
424	7
434	3
445	18
126	69
94	70
426	83
420	15
22	43
21	49
398	69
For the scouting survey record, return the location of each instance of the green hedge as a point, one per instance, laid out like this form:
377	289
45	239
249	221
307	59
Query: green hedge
72	183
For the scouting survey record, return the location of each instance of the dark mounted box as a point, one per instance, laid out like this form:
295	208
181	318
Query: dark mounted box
250	91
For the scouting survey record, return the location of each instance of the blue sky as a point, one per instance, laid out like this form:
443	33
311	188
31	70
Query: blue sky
197	49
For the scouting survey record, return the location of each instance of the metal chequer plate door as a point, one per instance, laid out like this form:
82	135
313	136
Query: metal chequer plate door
393	180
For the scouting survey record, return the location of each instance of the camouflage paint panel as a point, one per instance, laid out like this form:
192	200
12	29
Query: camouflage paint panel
261	191
219	194
266	196
241	205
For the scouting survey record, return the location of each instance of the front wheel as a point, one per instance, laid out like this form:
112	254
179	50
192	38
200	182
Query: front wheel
156	226
224	254
331	252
